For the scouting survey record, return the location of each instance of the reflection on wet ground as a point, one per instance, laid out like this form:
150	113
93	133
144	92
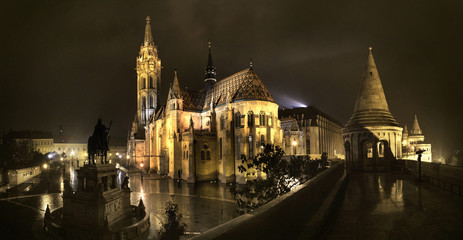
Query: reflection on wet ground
392	206
203	205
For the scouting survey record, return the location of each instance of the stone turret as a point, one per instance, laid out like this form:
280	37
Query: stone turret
372	137
416	130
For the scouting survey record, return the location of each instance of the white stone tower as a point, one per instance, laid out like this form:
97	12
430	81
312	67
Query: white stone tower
148	77
372	137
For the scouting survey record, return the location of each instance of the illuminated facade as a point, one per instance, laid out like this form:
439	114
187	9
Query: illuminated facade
309	131
414	141
203	135
372	137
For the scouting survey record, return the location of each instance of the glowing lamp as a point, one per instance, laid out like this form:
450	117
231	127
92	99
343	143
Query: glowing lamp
294	143
141	164
45	166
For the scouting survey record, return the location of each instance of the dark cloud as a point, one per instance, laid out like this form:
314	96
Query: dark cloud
72	62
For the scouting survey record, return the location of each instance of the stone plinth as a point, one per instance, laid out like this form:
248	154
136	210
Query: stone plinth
99	209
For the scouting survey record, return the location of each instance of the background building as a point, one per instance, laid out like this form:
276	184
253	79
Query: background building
413	141
309	131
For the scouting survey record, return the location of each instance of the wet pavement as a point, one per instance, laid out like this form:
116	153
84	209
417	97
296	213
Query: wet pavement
393	206
203	205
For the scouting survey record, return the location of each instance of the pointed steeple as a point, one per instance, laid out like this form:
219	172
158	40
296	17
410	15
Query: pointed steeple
210	71
148	35
371	108
416	130
174	91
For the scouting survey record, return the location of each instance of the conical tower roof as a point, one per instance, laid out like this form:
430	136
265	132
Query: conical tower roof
371	108
148	35
416	130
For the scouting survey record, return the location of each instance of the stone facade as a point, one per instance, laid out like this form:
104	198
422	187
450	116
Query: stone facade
372	137
309	131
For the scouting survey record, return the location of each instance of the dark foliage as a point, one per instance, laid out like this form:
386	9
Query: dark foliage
272	176
172	227
19	154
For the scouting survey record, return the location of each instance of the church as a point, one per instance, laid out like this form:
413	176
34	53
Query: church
200	135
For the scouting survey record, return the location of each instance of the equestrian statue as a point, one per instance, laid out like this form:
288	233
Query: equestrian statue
98	143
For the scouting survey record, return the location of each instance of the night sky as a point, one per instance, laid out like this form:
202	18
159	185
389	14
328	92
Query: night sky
71	62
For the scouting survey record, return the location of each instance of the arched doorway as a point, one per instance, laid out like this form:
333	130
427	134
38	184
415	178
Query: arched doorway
367	155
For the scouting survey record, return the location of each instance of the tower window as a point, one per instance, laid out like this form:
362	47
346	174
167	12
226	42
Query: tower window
143	83
151	102
250	147
371	73
151	82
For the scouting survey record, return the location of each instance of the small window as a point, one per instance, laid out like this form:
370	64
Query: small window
220	148
208	154
250	147
250	119
202	155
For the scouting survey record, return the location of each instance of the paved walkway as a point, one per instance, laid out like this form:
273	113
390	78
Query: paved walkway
393	206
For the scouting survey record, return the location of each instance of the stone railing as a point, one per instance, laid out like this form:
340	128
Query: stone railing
301	213
447	177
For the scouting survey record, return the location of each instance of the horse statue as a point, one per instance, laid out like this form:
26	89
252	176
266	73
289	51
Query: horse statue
98	143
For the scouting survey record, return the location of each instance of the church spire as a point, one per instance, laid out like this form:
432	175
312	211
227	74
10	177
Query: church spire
148	35
416	130
210	71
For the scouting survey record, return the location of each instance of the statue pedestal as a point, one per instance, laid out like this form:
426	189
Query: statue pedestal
99	209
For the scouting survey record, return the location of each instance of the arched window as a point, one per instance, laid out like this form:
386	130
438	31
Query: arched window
151	82
222	122
262	141
369	147
250	119
237	119
143	83
238	147
262	119
143	102
151	101
202	155
208	154
250	147
380	149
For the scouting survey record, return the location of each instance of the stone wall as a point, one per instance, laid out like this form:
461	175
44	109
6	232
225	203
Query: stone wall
18	176
443	176
301	211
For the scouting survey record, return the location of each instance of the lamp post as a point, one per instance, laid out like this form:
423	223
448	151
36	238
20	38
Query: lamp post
419	152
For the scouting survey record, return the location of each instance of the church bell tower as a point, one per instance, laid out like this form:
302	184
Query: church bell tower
148	77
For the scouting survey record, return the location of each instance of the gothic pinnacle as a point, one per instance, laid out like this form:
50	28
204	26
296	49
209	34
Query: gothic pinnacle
148	35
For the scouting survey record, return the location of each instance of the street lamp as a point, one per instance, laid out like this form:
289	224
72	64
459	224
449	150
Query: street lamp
45	166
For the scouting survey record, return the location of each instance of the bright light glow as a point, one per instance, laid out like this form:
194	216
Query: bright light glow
72	153
61	159
294	143
49	156
141	164
85	154
117	165
117	154
128	157
120	156
45	166
404	142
